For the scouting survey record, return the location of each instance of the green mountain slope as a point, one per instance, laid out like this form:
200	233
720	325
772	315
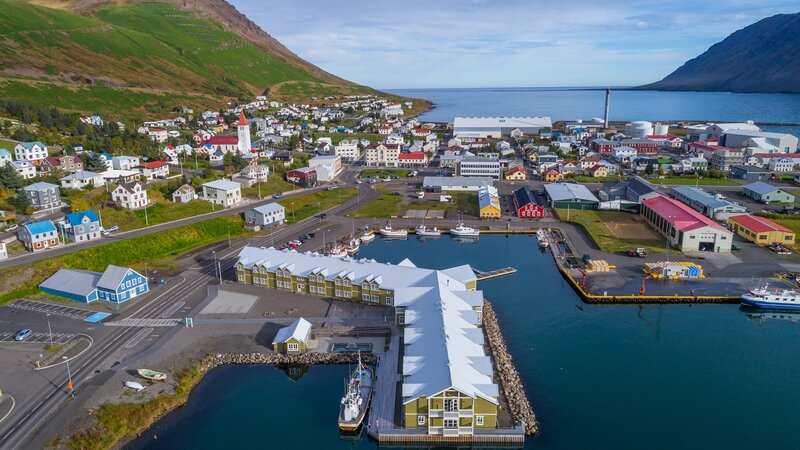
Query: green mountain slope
146	55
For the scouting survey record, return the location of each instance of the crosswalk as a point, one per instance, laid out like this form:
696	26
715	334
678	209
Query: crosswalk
51	308
133	322
41	337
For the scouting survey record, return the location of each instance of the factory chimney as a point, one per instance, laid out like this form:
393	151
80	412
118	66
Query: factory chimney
608	104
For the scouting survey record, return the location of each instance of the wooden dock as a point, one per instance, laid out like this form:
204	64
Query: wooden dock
381	412
483	276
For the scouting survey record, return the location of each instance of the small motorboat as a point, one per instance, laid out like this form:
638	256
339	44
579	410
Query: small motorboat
422	230
464	231
134	385
366	237
353	246
152	375
388	231
541	236
337	252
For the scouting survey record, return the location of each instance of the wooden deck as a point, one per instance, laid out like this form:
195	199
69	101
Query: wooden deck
482	276
382	409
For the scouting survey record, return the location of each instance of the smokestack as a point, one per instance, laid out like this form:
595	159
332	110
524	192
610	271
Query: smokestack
608	104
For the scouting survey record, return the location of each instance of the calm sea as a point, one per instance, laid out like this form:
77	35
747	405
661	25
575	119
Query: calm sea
571	104
599	377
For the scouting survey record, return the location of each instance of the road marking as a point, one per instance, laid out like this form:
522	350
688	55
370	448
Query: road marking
172	310
138	337
47	308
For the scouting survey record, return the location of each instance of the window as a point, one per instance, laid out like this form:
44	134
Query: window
451	404
293	347
365	297
401	319
348	294
451	423
301	287
338	293
338	282
420	420
375	298
389	301
479	420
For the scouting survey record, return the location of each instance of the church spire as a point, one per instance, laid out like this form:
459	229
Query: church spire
242	119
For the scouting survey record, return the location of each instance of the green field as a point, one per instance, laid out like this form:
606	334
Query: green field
383	173
462	201
157	250
691	181
588	179
272	186
594	222
387	205
307	205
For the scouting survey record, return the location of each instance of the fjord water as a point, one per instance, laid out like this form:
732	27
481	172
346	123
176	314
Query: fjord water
626	105
599	377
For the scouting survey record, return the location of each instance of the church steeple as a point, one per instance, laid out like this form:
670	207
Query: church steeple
243	130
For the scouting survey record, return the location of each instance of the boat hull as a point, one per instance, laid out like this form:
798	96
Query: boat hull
366	394
751	302
152	375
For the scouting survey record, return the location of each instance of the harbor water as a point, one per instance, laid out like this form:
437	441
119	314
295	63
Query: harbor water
599	377
581	103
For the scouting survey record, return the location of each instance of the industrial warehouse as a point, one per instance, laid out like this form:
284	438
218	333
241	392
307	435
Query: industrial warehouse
471	128
685	228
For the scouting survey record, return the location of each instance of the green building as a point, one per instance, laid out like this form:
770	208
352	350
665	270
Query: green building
570	195
767	193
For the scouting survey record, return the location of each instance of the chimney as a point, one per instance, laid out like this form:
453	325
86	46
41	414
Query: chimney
608	104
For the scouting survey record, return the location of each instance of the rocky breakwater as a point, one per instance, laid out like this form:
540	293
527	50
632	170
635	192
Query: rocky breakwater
220	359
510	382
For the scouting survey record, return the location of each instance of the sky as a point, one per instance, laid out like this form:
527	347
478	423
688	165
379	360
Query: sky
504	43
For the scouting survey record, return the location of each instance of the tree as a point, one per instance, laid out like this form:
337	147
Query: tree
9	178
650	169
79	204
21	203
94	163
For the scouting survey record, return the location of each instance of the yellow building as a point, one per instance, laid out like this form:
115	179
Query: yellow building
551	176
293	339
488	203
597	171
516	174
760	230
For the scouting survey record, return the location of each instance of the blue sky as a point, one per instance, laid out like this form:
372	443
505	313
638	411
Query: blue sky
511	43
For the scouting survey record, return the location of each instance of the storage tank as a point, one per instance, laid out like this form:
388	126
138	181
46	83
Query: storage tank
661	129
639	129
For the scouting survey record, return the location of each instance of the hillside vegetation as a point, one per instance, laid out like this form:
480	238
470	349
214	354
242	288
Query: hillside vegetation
145	55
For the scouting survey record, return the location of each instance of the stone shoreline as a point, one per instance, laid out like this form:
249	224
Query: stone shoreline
221	359
514	391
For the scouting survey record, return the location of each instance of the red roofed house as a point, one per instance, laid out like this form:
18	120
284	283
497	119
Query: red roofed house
685	228
225	144
666	140
154	169
420	132
516	173
551	176
303	177
67	163
760	230
706	148
412	159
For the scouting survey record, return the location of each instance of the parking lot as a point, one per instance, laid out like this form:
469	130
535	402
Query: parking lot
52	309
41	337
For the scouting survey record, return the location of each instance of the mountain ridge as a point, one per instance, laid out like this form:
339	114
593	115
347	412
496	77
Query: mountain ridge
762	57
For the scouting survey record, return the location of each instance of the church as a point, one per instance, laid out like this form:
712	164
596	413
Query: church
239	144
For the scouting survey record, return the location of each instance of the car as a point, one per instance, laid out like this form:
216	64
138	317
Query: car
282	247
162	282
332	188
395	193
305	236
311	235
587	258
22	334
323	215
278	195
296	241
113	229
12	228
358	181
292	245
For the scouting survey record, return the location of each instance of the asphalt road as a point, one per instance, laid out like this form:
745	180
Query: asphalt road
35	419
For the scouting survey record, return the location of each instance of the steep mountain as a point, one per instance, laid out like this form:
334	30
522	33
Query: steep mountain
762	57
104	55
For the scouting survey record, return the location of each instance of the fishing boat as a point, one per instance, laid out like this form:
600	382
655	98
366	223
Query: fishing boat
338	251
388	231
366	237
353	246
464	231
764	298
358	392
423	230
541	236
152	375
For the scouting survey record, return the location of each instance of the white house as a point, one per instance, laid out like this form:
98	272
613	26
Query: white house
222	192
266	215
154	169
124	162
5	157
30	151
130	195
348	150
82	179
623	153
158	134
383	155
184	194
25	169
781	164
332	161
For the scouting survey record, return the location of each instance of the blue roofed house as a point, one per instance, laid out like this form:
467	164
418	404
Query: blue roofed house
82	226
39	236
116	285
120	284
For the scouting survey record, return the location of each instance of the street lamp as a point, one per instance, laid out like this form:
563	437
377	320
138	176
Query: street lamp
70	389
319	204
293	219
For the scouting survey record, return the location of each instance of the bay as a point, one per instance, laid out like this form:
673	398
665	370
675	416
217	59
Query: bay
626	105
600	377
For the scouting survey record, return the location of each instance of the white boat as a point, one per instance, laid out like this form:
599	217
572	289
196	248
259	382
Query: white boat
422	230
337	252
354	404
353	246
367	237
134	385
388	231
463	230
541	236
764	298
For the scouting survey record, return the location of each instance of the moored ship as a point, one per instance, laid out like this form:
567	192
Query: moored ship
423	230
541	236
354	404
388	231
764	298
464	231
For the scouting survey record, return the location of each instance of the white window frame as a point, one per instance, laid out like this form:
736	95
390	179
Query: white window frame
453	423
479	421
292	347
420	420
241	277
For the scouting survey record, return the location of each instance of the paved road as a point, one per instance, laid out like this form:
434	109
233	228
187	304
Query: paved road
34	422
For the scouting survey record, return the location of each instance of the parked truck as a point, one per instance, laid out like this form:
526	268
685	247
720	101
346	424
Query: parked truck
445	198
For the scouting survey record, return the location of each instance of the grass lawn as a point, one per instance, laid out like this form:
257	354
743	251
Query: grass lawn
274	185
387	205
157	250
691	181
588	179
463	201
8	145
594	222
383	173
307	205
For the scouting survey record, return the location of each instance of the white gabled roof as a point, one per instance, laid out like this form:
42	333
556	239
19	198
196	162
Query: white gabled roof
299	330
